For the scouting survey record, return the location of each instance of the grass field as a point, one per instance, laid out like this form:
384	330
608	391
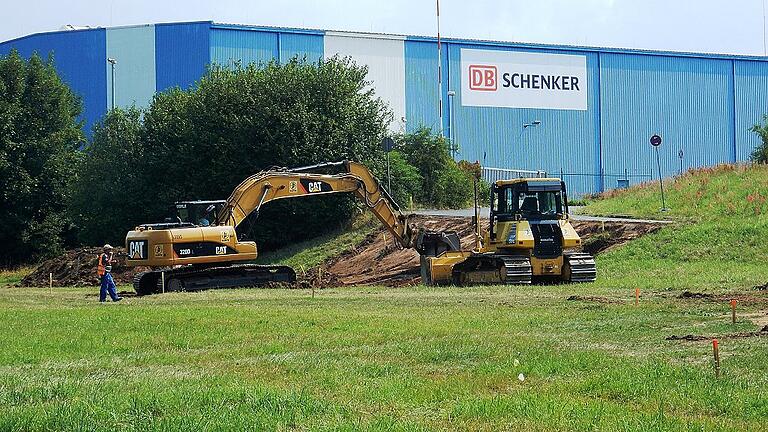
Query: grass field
414	358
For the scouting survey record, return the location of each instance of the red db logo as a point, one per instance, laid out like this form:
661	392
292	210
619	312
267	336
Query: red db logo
482	77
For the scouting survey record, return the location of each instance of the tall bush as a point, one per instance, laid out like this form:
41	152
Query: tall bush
443	184
760	153
405	179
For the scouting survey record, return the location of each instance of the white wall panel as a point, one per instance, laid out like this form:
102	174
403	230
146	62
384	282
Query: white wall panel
385	59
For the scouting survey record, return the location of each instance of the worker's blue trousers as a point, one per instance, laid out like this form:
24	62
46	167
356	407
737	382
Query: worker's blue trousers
107	285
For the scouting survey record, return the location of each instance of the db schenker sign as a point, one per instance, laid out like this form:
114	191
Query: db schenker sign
523	80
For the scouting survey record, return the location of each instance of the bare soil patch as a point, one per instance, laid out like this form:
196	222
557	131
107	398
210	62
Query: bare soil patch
379	259
740	335
77	267
593	299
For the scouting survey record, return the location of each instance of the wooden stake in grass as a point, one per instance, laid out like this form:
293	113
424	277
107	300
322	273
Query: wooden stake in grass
733	311
50	283
637	296
716	353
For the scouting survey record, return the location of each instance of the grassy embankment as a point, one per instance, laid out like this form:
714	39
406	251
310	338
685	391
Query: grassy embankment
417	358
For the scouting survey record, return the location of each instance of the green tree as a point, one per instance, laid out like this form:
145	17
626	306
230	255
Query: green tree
109	191
39	137
760	153
200	143
443	184
405	178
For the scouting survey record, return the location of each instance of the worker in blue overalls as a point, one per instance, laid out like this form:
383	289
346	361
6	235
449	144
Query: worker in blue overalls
104	270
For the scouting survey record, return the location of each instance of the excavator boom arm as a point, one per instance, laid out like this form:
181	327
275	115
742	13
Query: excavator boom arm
281	183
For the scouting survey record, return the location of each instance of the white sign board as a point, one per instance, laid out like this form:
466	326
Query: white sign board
523	80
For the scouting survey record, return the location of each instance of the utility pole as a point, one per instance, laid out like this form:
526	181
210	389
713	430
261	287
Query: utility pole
439	73
112	63
452	121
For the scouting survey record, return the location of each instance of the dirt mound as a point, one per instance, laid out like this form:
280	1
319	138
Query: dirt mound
695	338
688	338
380	260
77	267
593	299
600	236
694	295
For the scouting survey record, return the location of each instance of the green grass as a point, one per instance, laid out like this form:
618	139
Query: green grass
420	358
375	359
720	237
724	191
12	276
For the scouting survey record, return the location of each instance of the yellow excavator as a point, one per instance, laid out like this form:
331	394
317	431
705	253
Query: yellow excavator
201	249
529	236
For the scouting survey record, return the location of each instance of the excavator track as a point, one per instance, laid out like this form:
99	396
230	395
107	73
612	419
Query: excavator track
580	267
198	279
493	269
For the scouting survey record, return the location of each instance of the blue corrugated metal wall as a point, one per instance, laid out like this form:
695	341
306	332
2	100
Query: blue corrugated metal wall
181	53
244	45
79	57
688	101
229	46
301	45
751	78
421	85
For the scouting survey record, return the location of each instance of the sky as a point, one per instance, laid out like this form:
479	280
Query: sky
709	26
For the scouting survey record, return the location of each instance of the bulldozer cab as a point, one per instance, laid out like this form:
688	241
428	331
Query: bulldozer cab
200	213
527	199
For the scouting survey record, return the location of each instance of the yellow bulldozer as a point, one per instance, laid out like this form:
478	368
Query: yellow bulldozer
529	234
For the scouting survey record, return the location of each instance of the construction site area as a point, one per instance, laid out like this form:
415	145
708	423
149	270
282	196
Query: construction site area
377	260
211	226
360	341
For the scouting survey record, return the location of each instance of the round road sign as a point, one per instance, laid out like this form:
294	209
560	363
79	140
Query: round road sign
655	140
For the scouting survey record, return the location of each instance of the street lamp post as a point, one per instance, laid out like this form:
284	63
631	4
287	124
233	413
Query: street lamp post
533	124
112	63
452	121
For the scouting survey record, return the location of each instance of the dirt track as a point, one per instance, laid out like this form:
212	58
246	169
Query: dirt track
378	260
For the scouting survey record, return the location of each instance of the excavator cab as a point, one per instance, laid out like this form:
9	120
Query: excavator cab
200	213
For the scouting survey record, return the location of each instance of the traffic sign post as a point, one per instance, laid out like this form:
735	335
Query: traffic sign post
656	143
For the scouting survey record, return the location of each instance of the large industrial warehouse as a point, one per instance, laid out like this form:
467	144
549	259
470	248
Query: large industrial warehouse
586	113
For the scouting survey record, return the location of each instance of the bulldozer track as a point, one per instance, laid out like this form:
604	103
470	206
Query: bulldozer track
581	267
519	271
493	269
